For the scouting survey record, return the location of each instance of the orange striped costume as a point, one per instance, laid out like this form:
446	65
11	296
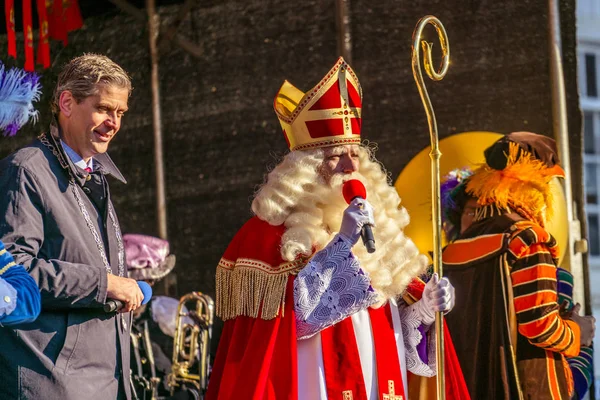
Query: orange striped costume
533	257
505	268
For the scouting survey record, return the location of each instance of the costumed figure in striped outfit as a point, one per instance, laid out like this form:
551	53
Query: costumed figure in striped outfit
19	294
518	339
309	313
458	213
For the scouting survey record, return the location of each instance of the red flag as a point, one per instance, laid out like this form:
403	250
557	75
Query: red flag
56	22
9	11
28	36
72	15
43	54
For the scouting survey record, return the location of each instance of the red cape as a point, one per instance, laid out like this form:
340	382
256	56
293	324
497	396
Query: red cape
256	358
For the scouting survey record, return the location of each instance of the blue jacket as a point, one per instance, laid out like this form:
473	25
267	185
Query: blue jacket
19	295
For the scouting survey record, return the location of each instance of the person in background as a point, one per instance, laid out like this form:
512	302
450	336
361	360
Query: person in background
154	323
458	207
19	294
518	339
458	213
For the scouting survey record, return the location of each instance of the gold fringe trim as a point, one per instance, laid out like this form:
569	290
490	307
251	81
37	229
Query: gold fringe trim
522	186
246	290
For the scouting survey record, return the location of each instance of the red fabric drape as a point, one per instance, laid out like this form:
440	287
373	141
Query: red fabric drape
386	351
256	359
43	53
57	28
456	388
9	11
341	361
28	36
72	15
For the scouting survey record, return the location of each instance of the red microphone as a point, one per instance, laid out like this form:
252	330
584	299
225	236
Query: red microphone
351	190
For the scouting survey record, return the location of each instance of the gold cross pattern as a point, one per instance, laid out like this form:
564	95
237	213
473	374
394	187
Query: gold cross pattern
392	393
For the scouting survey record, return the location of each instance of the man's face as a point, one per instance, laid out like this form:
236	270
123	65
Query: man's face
468	215
339	160
89	126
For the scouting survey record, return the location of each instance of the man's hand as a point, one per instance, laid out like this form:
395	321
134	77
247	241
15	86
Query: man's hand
587	325
438	296
358	213
126	290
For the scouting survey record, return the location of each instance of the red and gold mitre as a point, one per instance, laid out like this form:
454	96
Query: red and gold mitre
327	115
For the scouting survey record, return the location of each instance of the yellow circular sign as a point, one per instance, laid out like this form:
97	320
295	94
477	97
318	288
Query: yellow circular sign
458	151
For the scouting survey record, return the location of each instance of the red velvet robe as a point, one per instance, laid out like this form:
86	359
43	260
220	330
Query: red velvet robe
257	354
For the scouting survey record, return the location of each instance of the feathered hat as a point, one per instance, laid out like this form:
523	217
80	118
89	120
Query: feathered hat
517	174
18	90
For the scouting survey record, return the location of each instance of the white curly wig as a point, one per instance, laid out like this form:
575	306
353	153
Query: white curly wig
295	194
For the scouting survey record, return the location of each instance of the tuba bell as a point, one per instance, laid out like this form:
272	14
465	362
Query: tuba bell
191	343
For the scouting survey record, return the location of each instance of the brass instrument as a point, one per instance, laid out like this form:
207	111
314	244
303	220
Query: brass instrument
191	344
143	356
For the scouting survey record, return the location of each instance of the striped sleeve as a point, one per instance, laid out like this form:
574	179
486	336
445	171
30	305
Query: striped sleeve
582	369
535	293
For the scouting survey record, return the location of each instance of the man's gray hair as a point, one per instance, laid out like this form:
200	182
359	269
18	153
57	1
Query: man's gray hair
83	76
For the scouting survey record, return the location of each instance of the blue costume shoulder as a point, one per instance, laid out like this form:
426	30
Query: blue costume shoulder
19	294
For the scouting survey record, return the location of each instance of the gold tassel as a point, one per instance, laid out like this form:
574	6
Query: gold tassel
250	291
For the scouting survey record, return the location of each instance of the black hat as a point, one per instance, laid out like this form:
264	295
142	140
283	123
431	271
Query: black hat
539	147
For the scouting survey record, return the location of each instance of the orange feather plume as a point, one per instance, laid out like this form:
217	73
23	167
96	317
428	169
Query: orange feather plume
523	185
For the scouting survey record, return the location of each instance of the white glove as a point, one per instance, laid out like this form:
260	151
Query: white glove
438	296
358	214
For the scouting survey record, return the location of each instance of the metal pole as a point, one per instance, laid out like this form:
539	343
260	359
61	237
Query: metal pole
161	203
435	155
342	23
576	245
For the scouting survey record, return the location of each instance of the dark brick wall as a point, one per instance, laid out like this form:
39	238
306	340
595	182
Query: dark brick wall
220	132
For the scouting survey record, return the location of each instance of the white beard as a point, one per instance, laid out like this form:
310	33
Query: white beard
386	266
315	215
